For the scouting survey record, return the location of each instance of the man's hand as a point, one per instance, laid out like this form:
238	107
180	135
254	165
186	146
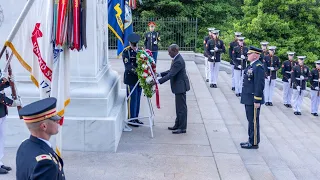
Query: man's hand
243	57
156	42
213	58
319	80
239	66
316	88
268	78
301	77
298	88
257	105
16	103
158	74
271	68
216	49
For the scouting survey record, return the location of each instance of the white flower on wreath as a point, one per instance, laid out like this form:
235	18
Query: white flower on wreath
143	56
144	66
144	75
149	79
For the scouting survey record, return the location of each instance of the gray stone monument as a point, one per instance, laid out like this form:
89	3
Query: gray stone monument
94	118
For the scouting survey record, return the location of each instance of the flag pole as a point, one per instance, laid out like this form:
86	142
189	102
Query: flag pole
16	27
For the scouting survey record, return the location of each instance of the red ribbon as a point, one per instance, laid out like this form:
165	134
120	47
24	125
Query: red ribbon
76	22
61	121
157	97
62	9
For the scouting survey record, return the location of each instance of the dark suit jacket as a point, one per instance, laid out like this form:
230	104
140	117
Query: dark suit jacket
36	160
177	75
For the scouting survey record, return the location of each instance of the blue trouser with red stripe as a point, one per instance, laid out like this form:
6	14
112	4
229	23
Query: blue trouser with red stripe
134	101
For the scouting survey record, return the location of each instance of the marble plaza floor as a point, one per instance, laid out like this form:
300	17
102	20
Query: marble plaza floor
289	149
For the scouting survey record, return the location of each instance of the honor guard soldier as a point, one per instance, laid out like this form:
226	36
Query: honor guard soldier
232	45
206	39
286	69
271	66
315	91
240	63
299	76
5	101
264	47
215	47
35	157
131	79
152	39
252	96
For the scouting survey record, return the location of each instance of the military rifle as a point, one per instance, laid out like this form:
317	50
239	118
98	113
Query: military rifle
301	70
271	61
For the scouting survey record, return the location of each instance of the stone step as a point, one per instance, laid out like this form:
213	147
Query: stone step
225	152
287	137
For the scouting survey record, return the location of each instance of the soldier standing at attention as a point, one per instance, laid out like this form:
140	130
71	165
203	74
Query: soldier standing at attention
252	96
232	45
286	69
35	157
271	65
131	79
299	76
206	39
264	47
315	91
240	63
215	47
151	40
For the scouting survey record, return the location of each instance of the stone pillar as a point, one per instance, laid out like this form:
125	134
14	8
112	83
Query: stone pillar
94	118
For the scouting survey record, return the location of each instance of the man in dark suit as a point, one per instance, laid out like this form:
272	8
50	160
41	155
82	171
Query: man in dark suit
179	82
35	157
252	96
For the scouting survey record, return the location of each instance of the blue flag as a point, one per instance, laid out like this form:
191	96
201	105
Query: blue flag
128	27
116	14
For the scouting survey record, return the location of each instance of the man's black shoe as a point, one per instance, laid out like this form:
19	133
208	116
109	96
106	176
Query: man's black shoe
289	106
233	88
215	86
243	143
267	104
238	95
172	128
133	121
211	85
249	146
286	105
6	168
139	122
179	131
207	80
299	113
270	104
315	114
296	113
3	171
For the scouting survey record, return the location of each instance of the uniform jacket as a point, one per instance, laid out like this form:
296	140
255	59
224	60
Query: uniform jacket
271	62
130	64
205	40
237	52
296	73
232	45
253	84
36	160
177	75
314	76
5	101
150	39
265	53
286	69
211	44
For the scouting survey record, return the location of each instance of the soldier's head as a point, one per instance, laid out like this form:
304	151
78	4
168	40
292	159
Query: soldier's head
152	26
290	55
41	118
133	40
237	35
241	41
215	34
264	45
272	50
173	50
301	60
254	53
318	64
210	30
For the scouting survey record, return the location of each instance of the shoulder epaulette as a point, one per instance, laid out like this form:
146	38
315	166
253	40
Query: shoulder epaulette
43	157
259	64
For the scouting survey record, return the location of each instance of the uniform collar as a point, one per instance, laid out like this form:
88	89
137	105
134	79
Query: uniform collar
47	142
253	62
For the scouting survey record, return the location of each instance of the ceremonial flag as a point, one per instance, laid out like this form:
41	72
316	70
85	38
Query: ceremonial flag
116	21
128	27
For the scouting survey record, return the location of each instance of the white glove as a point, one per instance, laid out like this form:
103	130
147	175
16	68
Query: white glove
239	66
243	57
156	42
213	58
298	88
301	77
158	75
16	103
316	88
271	68
216	49
268	78
11	78
318	80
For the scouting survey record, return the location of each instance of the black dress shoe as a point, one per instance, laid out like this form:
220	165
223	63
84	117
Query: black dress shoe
172	128
249	146
243	143
133	121
289	106
211	85
296	113
315	114
267	104
270	104
207	80
139	122
6	168
238	95
3	171
286	105
299	113
215	86
233	88
179	131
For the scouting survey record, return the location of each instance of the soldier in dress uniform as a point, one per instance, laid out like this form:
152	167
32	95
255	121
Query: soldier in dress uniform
131	79
206	39
5	101
271	66
232	45
299	76
240	63
252	96
315	91
151	40
286	69
264	47
215	47
35	157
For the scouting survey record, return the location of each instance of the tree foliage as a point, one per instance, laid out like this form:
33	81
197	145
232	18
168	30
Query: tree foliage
291	25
